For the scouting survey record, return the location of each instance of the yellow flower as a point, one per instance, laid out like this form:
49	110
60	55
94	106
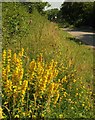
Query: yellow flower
1	113
40	58
4	72
21	73
42	115
8	68
69	99
16	116
57	97
90	92
65	94
32	66
4	56
14	58
61	116
64	79
76	88
74	80
52	87
9	56
72	108
21	52
83	105
77	94
23	92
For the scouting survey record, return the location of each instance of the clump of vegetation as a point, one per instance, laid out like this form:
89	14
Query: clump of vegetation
15	23
34	88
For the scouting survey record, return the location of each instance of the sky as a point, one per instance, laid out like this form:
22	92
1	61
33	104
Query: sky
54	3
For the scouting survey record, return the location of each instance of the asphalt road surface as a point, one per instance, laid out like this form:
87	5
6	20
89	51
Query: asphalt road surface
85	35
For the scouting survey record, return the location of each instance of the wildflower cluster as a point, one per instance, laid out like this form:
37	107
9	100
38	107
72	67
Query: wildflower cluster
21	87
43	84
34	88
14	86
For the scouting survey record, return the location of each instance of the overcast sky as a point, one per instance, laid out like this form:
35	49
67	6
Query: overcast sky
54	3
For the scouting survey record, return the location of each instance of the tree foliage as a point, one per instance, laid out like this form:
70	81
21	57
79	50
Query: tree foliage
36	5
77	13
52	13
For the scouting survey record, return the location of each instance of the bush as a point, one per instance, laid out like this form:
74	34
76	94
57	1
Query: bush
15	23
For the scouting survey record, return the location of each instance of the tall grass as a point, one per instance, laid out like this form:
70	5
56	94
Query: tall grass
37	35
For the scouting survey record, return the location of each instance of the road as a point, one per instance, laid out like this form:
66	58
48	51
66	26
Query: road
85	35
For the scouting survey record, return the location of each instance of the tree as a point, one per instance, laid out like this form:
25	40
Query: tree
52	14
77	13
36	5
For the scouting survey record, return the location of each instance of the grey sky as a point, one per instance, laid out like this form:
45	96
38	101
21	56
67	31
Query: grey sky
54	3
57	3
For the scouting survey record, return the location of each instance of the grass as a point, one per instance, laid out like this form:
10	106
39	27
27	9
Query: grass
80	54
42	36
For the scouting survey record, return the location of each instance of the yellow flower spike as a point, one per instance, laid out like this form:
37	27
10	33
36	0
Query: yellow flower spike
8	68
55	72
21	73
14	57
31	76
9	56
17	62
57	97
25	83
20	54
16	71
3	72
32	66
40	58
22	51
56	85
1	112
4	56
